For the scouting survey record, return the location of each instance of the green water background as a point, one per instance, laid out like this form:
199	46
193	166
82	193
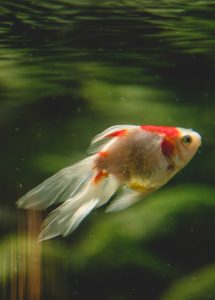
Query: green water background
70	69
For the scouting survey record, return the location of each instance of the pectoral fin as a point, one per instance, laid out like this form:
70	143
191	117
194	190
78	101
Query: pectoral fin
126	198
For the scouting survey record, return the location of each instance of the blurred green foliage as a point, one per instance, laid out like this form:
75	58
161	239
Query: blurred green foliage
153	236
68	70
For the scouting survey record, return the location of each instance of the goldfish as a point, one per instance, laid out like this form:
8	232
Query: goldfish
133	160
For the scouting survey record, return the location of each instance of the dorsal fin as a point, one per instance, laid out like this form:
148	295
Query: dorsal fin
104	137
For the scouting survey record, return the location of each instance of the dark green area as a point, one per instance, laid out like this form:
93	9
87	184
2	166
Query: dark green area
68	70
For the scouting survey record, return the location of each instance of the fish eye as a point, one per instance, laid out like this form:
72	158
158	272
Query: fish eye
187	139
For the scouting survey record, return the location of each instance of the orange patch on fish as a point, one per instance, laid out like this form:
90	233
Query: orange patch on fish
117	133
100	175
168	147
168	131
170	134
103	153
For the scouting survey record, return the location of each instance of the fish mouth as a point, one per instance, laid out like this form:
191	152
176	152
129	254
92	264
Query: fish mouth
198	138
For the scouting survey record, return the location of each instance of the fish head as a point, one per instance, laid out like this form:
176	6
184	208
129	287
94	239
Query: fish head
187	143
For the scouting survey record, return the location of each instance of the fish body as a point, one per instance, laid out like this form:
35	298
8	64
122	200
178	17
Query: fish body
136	160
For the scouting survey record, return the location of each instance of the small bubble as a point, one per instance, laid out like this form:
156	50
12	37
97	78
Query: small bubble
194	278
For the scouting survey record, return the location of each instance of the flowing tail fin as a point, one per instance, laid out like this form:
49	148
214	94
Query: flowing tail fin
81	187
59	187
66	218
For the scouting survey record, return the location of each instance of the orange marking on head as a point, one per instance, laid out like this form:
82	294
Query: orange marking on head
116	133
171	132
99	176
167	147
169	136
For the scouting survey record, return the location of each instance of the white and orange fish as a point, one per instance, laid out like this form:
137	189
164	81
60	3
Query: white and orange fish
137	159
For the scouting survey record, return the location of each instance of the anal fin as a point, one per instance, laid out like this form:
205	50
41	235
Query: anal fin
126	198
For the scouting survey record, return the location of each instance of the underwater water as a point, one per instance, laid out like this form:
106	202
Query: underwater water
68	70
